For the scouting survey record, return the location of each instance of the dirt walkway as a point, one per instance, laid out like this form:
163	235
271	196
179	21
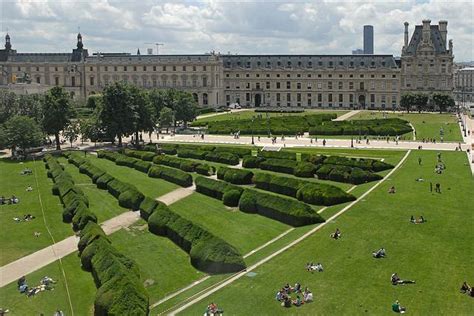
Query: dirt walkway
176	195
344	117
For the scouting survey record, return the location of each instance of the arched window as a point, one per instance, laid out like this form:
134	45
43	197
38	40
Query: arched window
204	99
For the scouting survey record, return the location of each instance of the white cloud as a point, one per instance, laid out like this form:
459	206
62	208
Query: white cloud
251	27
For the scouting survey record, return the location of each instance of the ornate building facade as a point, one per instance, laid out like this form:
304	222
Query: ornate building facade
319	81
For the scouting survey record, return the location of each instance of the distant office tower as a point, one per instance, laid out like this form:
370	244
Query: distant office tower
358	51
368	39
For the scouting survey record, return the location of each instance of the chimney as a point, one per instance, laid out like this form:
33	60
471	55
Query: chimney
426	31
406	35
443	30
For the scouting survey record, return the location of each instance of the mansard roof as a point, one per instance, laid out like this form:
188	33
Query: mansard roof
40	57
435	37
309	61
127	58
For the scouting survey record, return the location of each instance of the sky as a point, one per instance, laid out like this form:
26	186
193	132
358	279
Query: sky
238	27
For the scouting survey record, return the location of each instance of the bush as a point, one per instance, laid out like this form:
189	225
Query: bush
88	234
117	187
172	175
131	199
376	127
147	207
239	151
252	161
203	169
214	188
346	174
208	253
223	157
282	209
143	155
142	166
231	197
235	176
321	194
82	217
122	160
304	170
277	155
279	165
103	180
188	153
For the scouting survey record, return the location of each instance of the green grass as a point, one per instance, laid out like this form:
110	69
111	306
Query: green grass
250	113
244	231
80	284
427	125
151	187
17	239
437	254
161	262
101	203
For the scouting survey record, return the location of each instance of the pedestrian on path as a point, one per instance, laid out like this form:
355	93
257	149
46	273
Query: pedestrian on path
324	142
419	161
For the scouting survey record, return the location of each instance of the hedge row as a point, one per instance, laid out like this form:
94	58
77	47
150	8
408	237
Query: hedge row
215	156
228	193
235	176
288	211
139	154
299	169
183	164
308	192
376	127
177	176
208	252
172	149
117	277
366	164
346	174
76	205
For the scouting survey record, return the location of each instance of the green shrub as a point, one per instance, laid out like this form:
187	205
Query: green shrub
131	199
321	194
252	161
304	170
346	174
279	165
103	180
122	160
223	157
203	169
88	234
116	187
172	175
239	151
142	166
82	217
235	176
282	209
214	188
277	155
147	207
231	197
188	165
188	153
376	127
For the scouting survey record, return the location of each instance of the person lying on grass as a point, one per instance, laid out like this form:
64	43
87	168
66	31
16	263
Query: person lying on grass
336	235
379	253
466	289
314	267
397	308
395	279
392	190
421	220
29	189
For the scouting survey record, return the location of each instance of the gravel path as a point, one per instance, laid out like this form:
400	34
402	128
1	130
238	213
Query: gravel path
347	115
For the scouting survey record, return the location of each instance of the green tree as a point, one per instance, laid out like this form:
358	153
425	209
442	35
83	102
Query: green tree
420	100
8	105
185	107
443	101
90	129
56	111
30	105
407	101
166	118
143	112
71	131
93	101
20	132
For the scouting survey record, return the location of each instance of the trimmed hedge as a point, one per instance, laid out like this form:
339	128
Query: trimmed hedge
208	253
239	151
103	180
117	187
304	170
139	154
235	176
252	161
277	154
377	127
131	199
346	174
142	166
278	165
285	210
223	157
189	153
172	175
308	192
216	189
147	207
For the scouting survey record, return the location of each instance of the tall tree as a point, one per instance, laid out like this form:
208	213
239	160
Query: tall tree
166	118
117	110
8	105
56	111
420	100
185	107
407	101
143	112
71	131
20	132
443	101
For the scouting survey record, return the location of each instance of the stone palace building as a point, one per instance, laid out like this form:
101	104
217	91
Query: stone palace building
317	81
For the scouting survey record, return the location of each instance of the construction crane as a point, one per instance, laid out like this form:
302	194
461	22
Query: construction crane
157	46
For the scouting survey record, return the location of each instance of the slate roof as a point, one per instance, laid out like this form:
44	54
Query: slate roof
435	36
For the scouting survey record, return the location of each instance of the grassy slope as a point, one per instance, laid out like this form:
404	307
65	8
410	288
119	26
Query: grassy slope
244	231
437	254
151	187
249	114
101	203
426	125
159	260
81	288
16	239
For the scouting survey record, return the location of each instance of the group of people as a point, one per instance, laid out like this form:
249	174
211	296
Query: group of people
466	289
26	218
420	220
12	200
46	283
311	267
284	295
212	310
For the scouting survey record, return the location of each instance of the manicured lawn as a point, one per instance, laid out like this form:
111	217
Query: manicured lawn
80	284
437	254
17	239
101	203
163	265
250	113
151	187
427	125
244	231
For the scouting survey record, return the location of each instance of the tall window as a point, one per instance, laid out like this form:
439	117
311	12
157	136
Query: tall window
204	81
56	81
288	85
278	97
329	84
298	85
341	97
204	99
330	97
340	85
73	81
267	85
278	85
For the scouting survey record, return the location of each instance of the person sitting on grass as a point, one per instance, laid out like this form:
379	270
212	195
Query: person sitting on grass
412	219
465	288
286	302
379	253
337	234
37	234
397	308
14	200
297	301
297	288
287	288
2	200
392	190
28	217
395	279
307	295
421	220
29	189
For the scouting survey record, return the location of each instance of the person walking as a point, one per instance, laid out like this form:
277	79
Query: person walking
324	142
419	161
438	188
431	186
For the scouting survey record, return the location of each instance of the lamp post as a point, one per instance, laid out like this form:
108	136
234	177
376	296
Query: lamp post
253	119
352	142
